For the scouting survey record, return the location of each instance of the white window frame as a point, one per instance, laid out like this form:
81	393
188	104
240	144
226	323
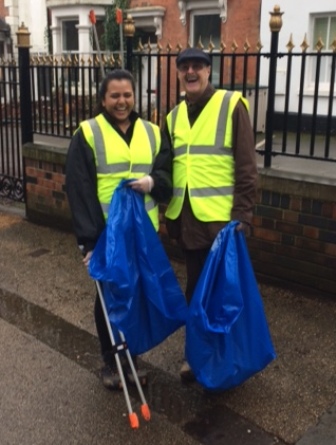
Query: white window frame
324	84
190	5
148	17
195	13
202	12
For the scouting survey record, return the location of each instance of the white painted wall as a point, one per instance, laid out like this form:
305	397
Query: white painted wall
33	14
296	20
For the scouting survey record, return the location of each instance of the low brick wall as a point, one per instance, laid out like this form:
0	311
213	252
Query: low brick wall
46	200
294	227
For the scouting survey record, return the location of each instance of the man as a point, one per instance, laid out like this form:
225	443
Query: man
214	165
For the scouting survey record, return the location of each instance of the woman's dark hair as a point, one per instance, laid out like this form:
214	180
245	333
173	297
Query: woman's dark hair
117	74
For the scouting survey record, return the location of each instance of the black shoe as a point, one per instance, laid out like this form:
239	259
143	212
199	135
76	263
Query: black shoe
110	378
142	373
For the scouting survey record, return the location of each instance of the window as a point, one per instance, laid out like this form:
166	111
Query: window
70	36
206	26
324	28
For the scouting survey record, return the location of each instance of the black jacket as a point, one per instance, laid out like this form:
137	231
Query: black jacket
81	183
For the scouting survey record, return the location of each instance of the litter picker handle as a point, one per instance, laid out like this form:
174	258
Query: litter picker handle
133	418
93	20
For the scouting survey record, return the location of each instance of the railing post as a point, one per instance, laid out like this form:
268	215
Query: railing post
23	45
275	25
129	30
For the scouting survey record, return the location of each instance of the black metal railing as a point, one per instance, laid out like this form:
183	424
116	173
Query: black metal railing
51	95
11	170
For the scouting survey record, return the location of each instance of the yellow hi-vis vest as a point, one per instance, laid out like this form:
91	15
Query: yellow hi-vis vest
203	161
115	160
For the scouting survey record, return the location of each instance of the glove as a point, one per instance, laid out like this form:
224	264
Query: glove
142	185
244	227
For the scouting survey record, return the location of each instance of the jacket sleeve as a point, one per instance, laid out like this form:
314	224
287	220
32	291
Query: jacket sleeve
81	187
245	189
162	172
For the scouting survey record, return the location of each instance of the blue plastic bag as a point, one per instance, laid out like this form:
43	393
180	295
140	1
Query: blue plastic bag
141	292
227	335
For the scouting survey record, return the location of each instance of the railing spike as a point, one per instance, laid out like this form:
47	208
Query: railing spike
304	45
234	46
290	45
259	46
333	45
247	45
319	45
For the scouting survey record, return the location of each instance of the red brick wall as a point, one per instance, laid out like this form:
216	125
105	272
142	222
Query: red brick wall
46	200
243	22
294	226
3	10
293	237
294	232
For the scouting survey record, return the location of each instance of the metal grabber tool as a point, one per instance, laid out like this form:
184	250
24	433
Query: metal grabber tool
145	412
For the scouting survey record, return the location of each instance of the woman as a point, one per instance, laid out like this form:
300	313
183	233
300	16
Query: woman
115	145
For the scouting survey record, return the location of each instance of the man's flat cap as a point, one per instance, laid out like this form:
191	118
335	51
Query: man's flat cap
193	54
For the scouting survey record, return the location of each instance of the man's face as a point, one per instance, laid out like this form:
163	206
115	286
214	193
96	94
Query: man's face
194	78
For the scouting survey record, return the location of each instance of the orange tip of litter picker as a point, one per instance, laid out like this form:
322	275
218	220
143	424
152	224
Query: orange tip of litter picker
92	17
145	412
134	421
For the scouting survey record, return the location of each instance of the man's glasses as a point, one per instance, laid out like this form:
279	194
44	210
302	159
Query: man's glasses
195	66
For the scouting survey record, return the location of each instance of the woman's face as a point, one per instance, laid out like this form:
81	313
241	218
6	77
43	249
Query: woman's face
119	99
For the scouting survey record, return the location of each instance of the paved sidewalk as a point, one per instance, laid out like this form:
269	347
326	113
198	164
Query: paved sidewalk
292	401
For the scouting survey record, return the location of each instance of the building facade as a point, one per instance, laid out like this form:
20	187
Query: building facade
304	25
167	22
6	42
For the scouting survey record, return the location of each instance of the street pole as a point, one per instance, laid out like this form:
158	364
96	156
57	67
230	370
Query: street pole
275	25
129	30
23	45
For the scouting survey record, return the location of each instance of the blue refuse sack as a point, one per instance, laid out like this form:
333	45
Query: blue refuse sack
142	295
227	334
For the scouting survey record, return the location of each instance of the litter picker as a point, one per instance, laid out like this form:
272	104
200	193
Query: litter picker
119	20
93	20
117	348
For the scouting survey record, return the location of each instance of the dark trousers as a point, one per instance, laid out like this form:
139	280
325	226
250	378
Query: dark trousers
103	334
104	337
195	260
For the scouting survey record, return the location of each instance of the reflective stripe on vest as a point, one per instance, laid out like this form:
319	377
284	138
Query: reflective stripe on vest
102	138
206	169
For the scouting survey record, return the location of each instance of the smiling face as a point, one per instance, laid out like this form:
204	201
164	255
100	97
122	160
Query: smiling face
194	78
119	100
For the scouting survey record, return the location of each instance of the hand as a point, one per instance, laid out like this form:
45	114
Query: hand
142	185
243	227
86	259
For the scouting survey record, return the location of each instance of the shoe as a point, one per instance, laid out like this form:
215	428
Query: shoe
142	376
186	374
110	378
142	373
